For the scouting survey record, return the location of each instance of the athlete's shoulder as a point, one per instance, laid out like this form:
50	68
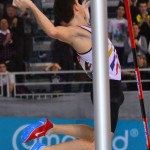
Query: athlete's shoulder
69	29
66	33
81	30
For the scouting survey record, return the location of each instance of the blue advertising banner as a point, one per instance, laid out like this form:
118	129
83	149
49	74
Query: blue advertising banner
129	134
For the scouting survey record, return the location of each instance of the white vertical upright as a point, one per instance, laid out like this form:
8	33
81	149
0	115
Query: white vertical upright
101	75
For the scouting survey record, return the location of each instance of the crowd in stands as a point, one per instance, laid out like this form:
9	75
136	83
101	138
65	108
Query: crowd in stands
118	31
119	34
16	37
17	29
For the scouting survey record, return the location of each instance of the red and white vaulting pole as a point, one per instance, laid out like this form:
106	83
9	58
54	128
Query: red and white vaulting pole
137	72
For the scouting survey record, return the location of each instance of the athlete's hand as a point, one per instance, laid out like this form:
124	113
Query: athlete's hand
86	5
23	4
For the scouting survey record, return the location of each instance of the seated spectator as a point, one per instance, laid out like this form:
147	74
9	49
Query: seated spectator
55	78
4	4
118	31
6	78
134	9
6	52
28	24
142	62
62	54
17	31
141	46
143	20
145	75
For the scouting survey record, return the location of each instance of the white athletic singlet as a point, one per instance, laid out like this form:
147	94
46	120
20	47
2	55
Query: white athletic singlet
85	60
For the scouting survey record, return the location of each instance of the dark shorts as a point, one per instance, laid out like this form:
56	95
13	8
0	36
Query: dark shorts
116	99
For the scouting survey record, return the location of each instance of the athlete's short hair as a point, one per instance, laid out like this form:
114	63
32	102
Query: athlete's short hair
63	10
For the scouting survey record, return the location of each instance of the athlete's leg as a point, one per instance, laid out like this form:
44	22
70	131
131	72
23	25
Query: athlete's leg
116	99
44	126
80	131
72	145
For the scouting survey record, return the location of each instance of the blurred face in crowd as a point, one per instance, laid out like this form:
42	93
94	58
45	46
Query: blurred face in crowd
120	11
142	62
11	11
143	8
3	68
4	24
136	30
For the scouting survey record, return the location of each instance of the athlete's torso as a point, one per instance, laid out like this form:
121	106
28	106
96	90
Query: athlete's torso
85	60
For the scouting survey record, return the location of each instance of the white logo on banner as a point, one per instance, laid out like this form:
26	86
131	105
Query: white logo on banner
124	139
55	139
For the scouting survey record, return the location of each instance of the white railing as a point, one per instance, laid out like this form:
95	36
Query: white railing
36	81
40	80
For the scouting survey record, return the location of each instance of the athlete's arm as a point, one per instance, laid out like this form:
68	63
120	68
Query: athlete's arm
61	33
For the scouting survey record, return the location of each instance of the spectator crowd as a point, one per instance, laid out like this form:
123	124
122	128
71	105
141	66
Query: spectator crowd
119	34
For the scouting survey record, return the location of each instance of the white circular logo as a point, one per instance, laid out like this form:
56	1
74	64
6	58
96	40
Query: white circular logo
134	132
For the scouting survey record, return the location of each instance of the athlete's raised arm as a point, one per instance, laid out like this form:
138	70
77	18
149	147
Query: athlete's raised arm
60	33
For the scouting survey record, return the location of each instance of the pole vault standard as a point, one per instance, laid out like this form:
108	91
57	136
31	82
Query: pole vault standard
100	75
137	72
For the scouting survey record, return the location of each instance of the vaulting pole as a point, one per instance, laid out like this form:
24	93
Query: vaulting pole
101	75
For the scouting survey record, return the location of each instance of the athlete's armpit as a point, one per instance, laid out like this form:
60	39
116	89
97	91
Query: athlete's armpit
65	34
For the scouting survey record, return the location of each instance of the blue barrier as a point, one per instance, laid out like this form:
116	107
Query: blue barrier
129	134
